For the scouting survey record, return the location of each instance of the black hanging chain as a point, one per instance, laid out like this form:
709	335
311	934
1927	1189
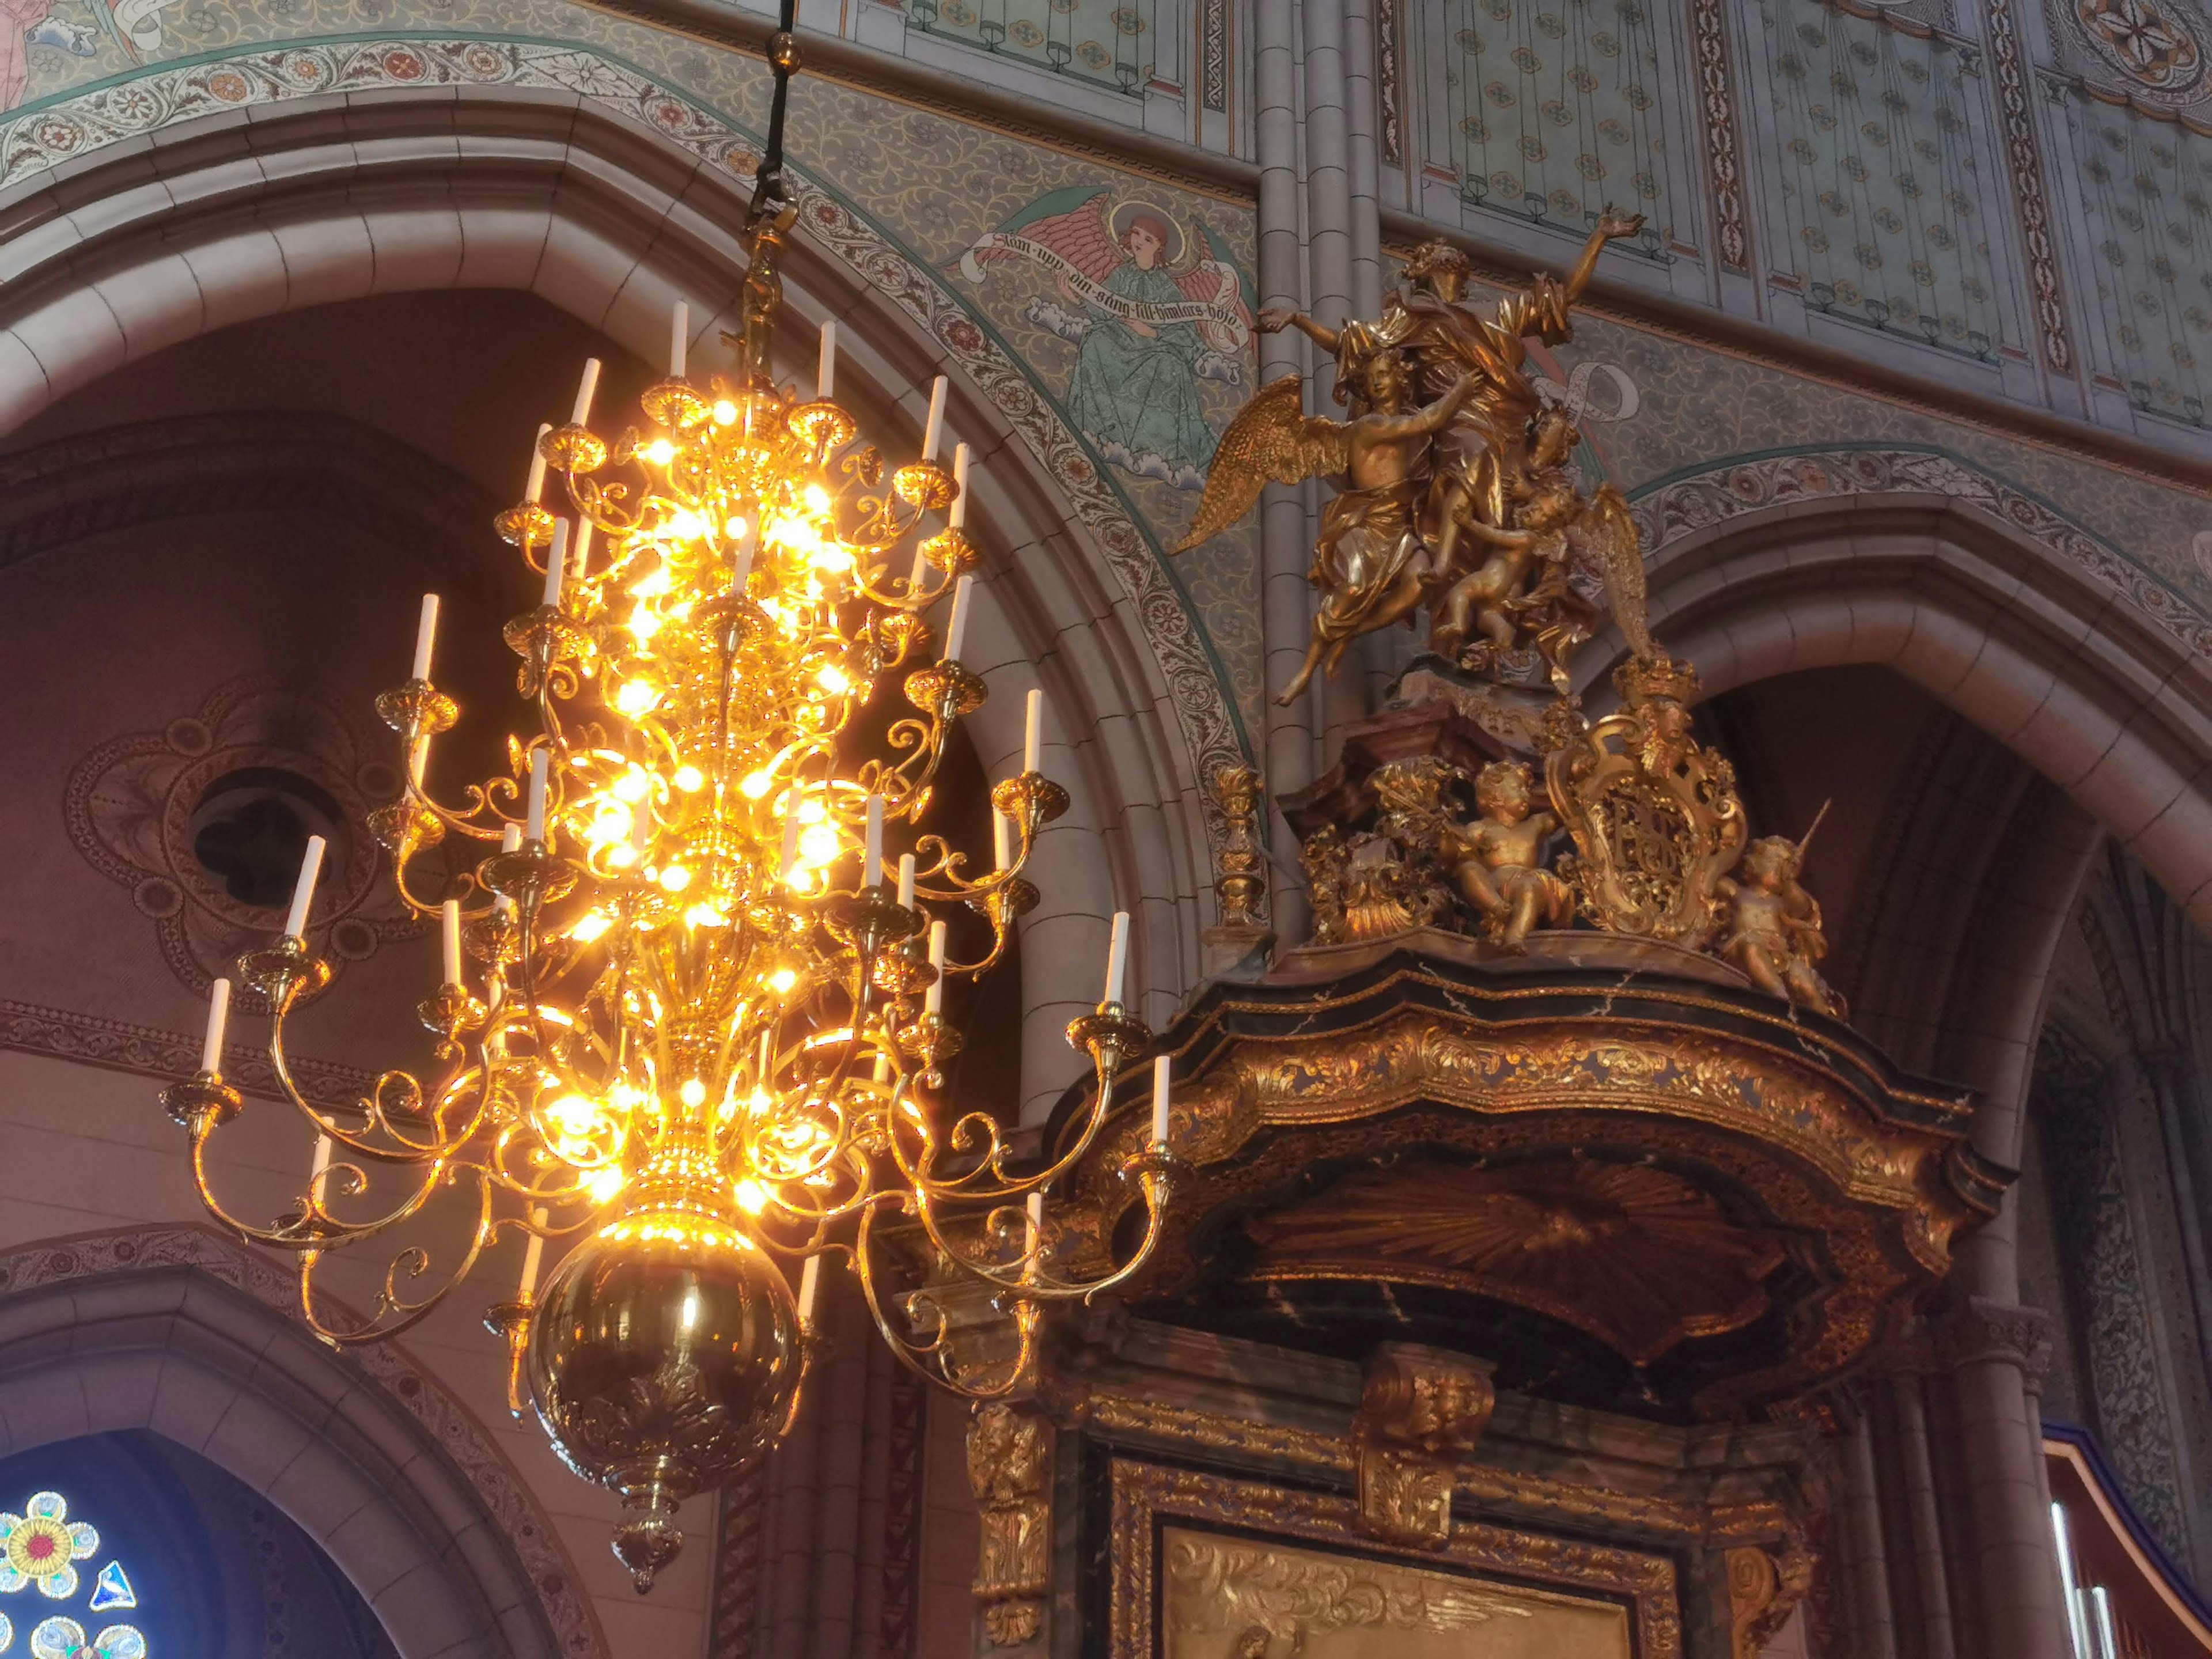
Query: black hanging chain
761	295
771	193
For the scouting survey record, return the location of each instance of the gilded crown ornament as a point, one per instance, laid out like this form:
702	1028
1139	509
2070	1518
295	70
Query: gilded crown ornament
691	1030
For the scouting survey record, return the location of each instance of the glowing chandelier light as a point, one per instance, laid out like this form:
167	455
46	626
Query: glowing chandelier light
690	1017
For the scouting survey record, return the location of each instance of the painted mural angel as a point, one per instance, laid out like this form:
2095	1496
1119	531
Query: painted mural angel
1150	318
1370	562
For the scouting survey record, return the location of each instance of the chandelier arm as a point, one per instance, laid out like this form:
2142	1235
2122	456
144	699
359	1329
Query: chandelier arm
283	1236
909	1352
281	1069
375	1328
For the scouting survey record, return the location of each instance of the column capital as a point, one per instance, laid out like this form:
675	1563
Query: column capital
1982	1329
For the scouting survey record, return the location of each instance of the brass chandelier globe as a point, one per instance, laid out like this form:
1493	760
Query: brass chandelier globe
690	1025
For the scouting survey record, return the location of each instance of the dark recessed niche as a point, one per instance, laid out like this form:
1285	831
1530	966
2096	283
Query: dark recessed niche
250	831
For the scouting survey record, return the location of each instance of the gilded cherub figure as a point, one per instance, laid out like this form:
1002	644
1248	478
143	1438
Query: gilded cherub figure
1369	560
1774	930
1551	524
1499	864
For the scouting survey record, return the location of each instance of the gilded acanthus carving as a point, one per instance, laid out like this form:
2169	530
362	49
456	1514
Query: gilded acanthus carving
1010	1472
1240	867
1420	1411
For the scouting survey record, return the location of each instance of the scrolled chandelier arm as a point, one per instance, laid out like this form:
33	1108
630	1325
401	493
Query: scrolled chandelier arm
690	1025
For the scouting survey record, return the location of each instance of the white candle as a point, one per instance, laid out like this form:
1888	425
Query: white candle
536	487
1032	731
510	839
218	1016
582	411
935	429
679	337
1034	1207
450	922
426	636
871	861
1161	1068
532	1253
933	998
905	880
790	837
741	563
557	562
322	1161
810	1271
957	632
303	894
826	377
959	513
1117	957
1000	838
540	761
579	549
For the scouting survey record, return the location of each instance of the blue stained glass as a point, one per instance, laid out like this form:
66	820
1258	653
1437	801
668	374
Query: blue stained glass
111	1589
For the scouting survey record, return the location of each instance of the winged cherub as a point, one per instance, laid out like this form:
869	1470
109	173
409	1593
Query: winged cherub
1774	929
1552	526
1369	560
1499	861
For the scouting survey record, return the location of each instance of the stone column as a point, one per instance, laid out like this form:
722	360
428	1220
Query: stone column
1872	1622
1329	185
1286	604
1920	1503
2028	893
1363	176
1997	1349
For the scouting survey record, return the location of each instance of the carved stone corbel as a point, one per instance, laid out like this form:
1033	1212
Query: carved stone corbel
1764	1586
1010	1470
1422	1410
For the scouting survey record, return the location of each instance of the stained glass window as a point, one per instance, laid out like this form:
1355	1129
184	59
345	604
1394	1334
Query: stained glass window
40	1551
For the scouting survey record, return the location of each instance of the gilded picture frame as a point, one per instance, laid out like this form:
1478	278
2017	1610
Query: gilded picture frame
1589	1601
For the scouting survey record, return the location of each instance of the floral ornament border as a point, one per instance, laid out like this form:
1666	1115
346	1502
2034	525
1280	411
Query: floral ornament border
510	1502
1668	509
163	96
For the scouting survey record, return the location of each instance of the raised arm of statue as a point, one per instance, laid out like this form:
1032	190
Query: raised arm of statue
1273	320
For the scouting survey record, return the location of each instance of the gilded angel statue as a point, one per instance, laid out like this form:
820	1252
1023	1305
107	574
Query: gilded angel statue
1370	560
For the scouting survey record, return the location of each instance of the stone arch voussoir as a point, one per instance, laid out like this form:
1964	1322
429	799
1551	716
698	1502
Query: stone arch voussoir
178	1330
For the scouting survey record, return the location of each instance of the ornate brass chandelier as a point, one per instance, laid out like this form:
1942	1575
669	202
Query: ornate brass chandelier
690	1023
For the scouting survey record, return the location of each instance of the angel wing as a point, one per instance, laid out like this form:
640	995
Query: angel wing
1272	437
1606	530
1070	222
